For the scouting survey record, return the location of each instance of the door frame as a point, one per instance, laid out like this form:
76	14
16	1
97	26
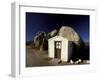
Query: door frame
57	55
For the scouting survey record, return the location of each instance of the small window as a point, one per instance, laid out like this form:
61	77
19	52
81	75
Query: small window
58	45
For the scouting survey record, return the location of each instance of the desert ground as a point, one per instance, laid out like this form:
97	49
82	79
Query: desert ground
37	58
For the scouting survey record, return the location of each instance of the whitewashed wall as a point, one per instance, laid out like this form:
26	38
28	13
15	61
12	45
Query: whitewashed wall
51	48
64	49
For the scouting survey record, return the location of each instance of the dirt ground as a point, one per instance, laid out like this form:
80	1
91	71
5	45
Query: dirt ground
36	57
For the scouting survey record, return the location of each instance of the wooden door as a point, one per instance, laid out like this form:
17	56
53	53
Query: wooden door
58	49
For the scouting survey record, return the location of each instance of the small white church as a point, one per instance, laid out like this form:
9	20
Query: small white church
60	48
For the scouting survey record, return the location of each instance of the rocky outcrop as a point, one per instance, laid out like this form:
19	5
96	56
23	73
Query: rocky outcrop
52	33
77	42
70	34
40	41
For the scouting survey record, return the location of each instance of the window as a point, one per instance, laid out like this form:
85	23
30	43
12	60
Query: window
58	44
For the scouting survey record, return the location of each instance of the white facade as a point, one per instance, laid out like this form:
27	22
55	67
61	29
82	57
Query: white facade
66	50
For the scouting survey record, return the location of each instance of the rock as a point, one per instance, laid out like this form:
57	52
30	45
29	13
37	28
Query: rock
70	34
78	61
53	33
77	42
40	41
71	62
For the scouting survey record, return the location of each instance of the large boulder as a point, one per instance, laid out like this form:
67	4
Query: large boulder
40	41
53	33
77	42
70	34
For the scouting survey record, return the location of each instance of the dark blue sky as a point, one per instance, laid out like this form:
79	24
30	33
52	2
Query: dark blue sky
47	22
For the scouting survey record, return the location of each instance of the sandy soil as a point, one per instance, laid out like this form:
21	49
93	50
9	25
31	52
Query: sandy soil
36	58
39	58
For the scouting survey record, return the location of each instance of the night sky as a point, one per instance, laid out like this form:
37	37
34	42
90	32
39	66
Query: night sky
37	22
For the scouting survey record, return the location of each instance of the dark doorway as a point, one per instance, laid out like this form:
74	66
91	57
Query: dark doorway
58	49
